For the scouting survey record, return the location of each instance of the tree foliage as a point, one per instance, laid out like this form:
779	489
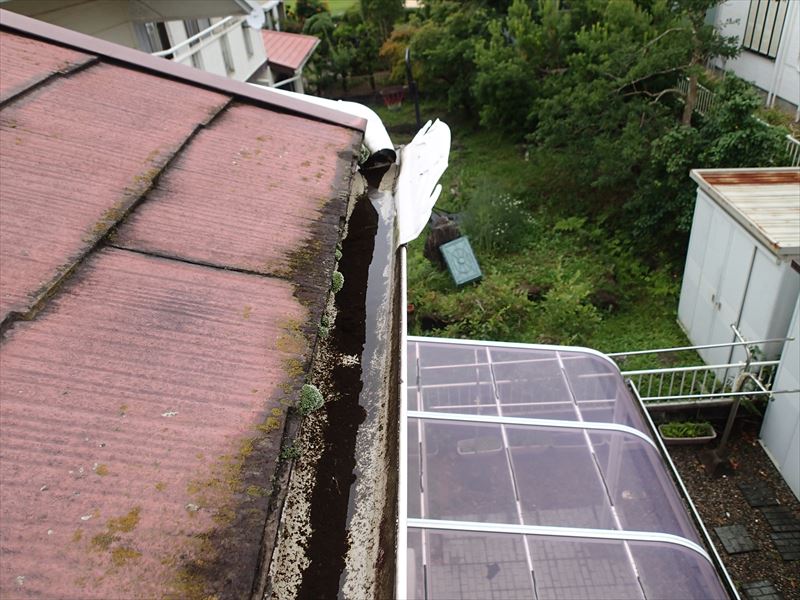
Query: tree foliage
597	81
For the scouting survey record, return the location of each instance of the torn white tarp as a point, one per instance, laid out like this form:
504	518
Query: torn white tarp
422	163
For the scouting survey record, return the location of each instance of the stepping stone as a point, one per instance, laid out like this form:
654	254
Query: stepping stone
761	590
735	539
781	519
758	494
788	544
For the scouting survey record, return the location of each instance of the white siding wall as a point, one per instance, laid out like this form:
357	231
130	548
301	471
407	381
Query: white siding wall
783	78
780	432
106	19
730	277
211	55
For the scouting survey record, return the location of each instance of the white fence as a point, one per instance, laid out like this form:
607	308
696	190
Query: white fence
705	97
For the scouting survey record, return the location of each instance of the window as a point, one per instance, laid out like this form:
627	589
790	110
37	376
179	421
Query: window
152	37
762	33
248	43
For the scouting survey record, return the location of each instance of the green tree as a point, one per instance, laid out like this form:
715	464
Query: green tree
382	14
729	136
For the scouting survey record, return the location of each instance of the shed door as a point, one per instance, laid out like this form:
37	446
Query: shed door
726	266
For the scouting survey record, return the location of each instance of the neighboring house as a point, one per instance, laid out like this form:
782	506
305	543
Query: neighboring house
222	37
167	239
769	35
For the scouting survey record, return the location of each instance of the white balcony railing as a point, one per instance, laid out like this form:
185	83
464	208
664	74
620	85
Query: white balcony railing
194	44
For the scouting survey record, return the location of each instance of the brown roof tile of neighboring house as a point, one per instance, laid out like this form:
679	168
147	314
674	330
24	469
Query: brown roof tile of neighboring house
288	50
166	251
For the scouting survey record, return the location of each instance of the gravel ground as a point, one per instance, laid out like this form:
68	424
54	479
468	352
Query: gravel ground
721	503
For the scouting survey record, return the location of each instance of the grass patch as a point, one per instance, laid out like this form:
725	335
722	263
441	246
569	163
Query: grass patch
552	273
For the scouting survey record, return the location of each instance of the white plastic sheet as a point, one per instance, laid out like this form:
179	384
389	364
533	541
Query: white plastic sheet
422	163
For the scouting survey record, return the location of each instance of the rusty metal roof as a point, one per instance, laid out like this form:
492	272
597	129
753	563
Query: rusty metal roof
166	250
765	201
288	50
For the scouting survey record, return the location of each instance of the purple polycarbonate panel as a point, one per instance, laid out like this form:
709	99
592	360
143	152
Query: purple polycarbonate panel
582	569
437	354
136	410
411	364
593	378
640	486
414	492
74	156
557	479
246	192
668	572
530	383
465	474
25	62
414	569
475	565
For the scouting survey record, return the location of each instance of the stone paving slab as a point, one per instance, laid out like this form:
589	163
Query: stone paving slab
781	518
758	494
735	539
788	544
761	590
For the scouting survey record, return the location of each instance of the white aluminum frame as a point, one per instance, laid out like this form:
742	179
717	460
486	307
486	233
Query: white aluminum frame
620	535
525	421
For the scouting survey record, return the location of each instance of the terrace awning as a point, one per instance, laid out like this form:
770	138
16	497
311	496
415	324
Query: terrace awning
532	472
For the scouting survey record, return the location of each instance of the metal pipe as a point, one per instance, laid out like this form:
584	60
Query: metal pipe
698	396
685	492
762	363
703	347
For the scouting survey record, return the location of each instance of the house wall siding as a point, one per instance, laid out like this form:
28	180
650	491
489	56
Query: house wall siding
783	74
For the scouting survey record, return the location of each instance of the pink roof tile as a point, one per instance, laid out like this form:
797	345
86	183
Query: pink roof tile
24	62
74	156
244	193
288	50
138	393
166	249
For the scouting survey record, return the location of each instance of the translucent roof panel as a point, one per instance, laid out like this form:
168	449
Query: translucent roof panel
532	472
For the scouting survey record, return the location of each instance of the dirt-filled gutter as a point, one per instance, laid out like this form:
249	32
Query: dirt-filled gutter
338	529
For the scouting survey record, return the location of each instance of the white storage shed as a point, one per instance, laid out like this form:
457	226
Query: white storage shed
745	237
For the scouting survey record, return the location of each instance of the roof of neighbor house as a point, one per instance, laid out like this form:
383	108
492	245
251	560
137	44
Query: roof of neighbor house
765	201
167	240
288	50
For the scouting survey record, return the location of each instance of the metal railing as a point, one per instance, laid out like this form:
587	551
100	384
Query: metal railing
704	385
705	97
700	384
793	150
202	39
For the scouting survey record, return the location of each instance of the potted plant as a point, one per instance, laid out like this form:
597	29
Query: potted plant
680	433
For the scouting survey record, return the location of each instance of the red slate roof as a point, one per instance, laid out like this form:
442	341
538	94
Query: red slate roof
288	50
166	250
